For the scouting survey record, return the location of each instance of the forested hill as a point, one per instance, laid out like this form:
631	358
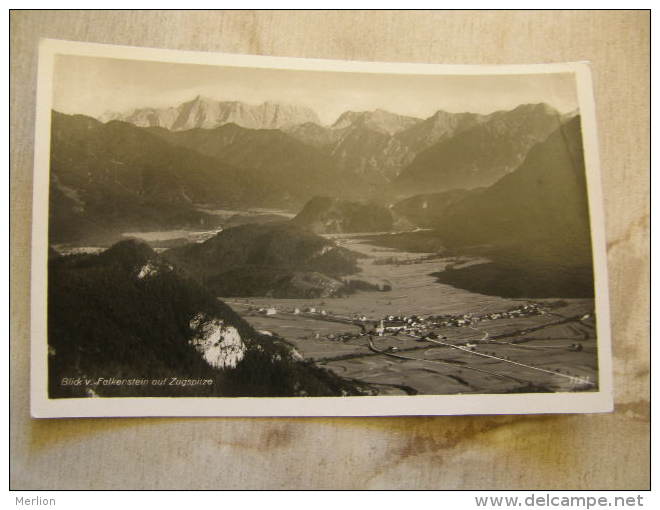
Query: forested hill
128	314
279	260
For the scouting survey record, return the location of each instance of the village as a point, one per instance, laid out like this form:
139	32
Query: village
415	326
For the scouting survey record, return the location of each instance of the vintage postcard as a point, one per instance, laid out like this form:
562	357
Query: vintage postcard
232	235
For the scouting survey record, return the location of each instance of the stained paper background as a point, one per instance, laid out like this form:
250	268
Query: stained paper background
569	452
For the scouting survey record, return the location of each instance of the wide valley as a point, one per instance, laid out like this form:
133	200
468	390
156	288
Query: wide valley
418	336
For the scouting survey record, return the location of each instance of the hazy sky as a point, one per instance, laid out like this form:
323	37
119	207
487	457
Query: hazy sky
92	86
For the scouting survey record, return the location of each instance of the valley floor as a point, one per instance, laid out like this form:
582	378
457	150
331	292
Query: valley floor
551	350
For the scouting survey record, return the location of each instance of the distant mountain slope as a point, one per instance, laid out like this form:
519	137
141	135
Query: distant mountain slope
543	201
375	156
439	126
325	215
378	144
127	314
535	220
279	260
362	143
285	171
533	225
321	137
426	210
481	155
207	113
379	120
367	145
109	177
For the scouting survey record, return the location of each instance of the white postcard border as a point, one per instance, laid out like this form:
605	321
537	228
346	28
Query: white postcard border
43	407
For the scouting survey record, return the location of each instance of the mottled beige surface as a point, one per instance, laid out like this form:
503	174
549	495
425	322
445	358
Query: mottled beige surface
585	451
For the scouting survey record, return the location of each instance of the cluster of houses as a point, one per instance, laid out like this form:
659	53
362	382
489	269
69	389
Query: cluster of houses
471	319
420	326
413	325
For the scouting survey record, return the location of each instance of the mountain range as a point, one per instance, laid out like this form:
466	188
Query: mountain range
206	113
378	147
155	168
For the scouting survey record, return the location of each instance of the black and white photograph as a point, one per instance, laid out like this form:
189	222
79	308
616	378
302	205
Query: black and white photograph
212	226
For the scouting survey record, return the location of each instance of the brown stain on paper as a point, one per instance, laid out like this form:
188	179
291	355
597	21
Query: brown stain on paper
549	446
414	436
49	432
641	223
437	440
426	433
272	437
639	410
423	435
